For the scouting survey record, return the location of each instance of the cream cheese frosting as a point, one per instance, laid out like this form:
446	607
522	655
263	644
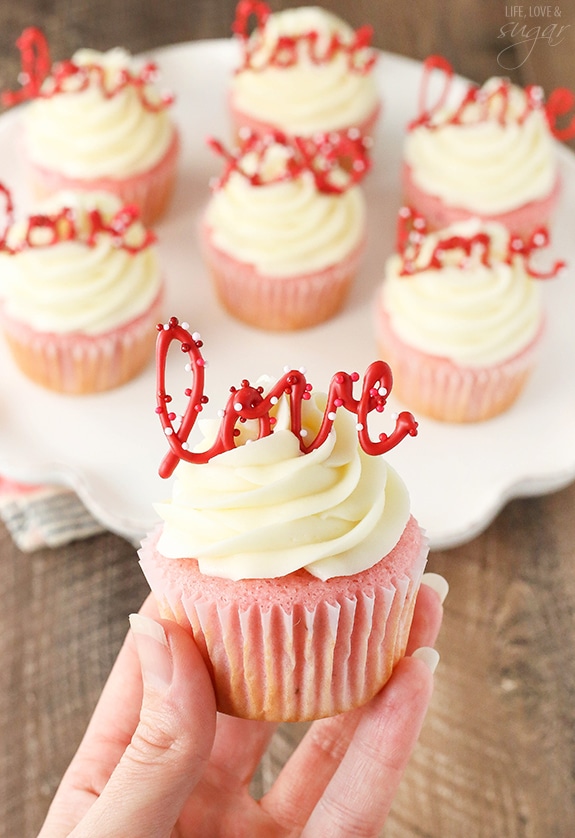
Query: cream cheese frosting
488	166
284	227
71	286
306	97
264	509
472	313
85	134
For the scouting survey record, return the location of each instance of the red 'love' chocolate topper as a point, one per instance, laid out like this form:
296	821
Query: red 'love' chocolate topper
345	154
489	105
47	230
285	52
412	231
42	80
250	403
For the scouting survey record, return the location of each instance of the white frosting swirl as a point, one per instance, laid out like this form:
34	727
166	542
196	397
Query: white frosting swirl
476	315
71	286
264	509
85	134
286	227
485	166
307	97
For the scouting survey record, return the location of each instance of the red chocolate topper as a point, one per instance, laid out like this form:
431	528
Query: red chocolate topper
412	231
68	77
248	402
321	155
285	52
497	101
63	226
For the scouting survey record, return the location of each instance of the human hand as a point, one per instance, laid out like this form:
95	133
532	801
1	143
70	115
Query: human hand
157	761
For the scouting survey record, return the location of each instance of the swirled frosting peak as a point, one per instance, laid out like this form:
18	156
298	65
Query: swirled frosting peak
100	114
81	263
490	152
295	78
275	214
265	509
465	293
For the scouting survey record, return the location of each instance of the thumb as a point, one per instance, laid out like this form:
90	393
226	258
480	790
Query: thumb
171	745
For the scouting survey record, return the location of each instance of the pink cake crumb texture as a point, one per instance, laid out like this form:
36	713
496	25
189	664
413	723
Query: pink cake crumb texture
294	648
523	220
150	190
436	387
279	303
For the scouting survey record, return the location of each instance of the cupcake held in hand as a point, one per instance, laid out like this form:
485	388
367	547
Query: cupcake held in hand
303	71
80	292
487	152
288	548
460	317
284	231
96	122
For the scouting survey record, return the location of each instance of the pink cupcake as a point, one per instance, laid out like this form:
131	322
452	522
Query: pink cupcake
459	317
303	71
80	293
96	123
284	231
486	152
288	548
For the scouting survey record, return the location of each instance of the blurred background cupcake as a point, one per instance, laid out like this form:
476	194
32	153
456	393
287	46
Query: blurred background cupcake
487	152
459	317
303	71
284	231
97	122
80	293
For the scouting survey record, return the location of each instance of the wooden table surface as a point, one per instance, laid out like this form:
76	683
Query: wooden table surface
497	754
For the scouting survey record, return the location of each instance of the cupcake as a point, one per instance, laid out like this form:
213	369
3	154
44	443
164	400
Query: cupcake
284	231
97	122
487	152
80	292
288	549
303	71
460	317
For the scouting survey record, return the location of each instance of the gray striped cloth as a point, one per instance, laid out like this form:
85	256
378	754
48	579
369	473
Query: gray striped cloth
44	516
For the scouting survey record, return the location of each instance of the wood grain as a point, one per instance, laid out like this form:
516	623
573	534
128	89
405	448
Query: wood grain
497	755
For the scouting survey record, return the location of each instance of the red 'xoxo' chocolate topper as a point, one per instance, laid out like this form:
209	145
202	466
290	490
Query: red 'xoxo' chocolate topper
323	156
68	77
412	231
285	52
47	230
478	105
250	403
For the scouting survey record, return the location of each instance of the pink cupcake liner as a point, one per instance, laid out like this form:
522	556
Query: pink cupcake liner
150	190
294	648
75	363
279	303
242	120
523	221
438	388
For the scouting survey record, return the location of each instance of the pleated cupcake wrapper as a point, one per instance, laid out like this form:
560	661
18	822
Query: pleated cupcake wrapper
438	388
280	303
299	664
75	363
150	190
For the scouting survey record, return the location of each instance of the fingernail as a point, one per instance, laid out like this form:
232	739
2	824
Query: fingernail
429	656
437	583
153	651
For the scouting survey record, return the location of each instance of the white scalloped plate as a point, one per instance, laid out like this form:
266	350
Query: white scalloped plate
108	447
